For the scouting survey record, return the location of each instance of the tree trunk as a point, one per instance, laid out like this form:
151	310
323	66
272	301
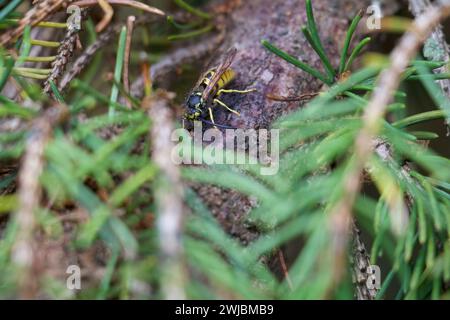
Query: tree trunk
280	22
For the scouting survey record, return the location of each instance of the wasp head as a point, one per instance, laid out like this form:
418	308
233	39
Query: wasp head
194	106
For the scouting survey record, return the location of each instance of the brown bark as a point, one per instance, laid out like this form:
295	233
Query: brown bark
278	21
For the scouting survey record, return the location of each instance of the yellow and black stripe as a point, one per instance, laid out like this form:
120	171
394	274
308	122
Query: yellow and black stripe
226	78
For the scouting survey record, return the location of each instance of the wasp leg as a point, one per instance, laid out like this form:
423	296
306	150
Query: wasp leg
225	106
234	91
212	118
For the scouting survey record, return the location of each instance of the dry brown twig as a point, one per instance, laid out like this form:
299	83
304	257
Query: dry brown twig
168	196
109	12
85	58
306	96
35	15
130	3
65	52
285	269
24	250
107	17
44	8
126	64
361	262
340	215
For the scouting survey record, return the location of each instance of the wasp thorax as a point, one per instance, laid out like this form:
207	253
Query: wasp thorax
194	105
195	101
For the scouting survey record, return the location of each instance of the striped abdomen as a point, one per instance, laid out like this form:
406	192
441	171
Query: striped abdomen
226	78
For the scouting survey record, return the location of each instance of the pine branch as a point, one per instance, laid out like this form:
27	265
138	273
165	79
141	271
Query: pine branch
88	54
340	217
169	197
361	262
65	52
435	45
35	15
25	249
85	58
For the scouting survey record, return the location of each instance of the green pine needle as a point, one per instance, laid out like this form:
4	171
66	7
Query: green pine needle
10	7
191	34
312	71
418	118
312	28
5	70
348	40
25	47
118	70
56	92
320	53
434	91
182	4
356	51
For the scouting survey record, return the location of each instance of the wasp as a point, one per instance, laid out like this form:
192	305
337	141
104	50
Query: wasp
207	92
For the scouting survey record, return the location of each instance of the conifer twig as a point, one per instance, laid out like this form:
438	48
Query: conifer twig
24	249
107	16
437	44
35	15
85	58
340	216
126	66
131	3
285	269
361	262
168	196
65	52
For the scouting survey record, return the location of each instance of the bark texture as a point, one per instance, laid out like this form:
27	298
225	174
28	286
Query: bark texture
279	22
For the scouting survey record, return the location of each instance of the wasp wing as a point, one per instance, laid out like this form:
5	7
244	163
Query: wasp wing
220	70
